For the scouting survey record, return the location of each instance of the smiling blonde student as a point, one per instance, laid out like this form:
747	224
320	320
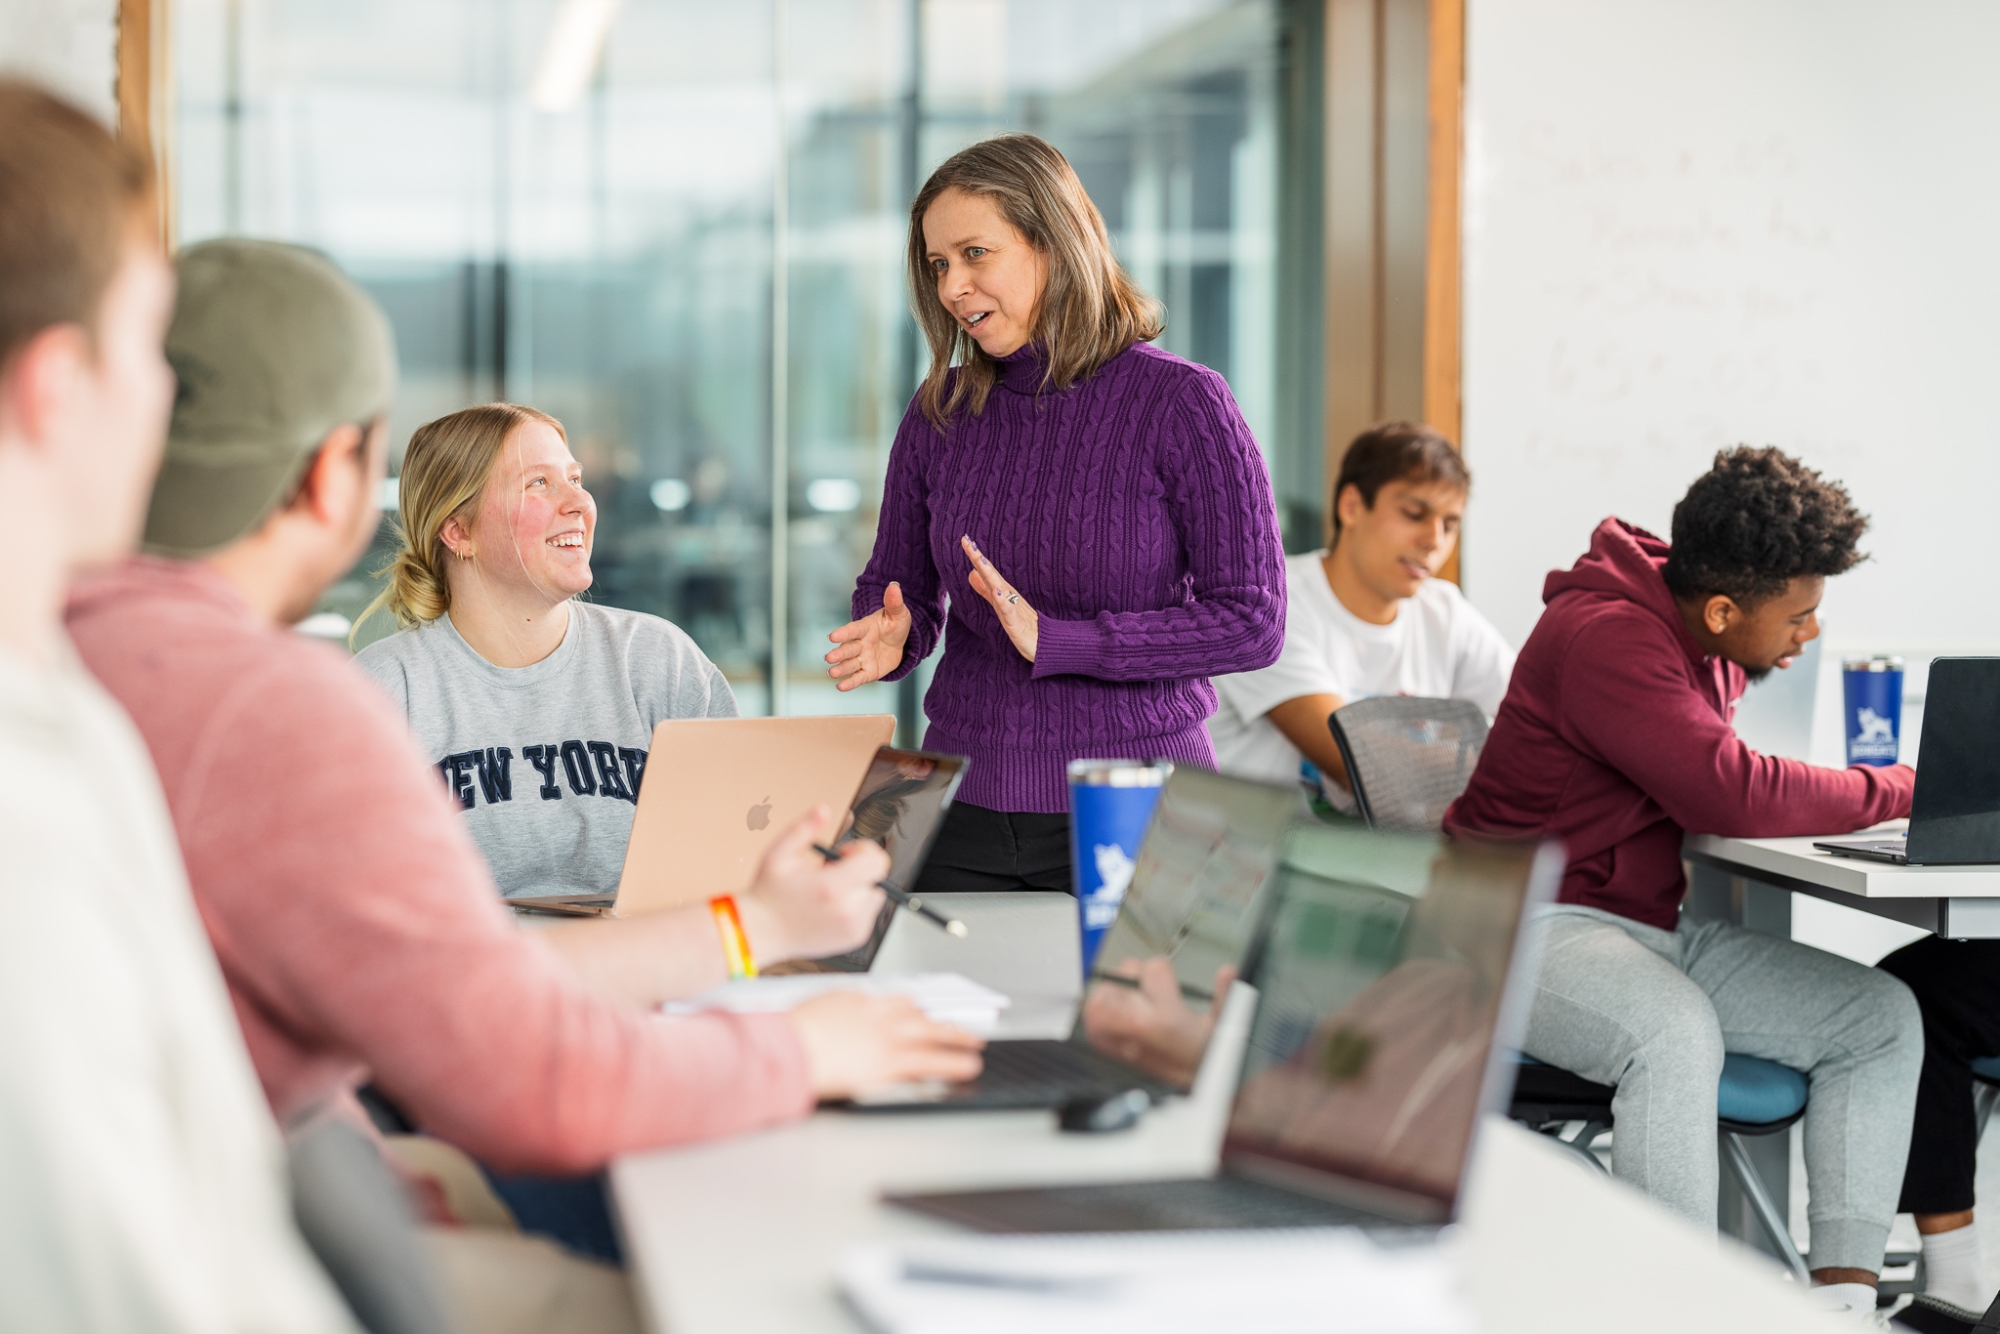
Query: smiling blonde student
1367	617
537	709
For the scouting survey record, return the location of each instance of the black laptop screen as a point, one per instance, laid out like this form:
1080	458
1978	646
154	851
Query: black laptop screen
1381	982
900	804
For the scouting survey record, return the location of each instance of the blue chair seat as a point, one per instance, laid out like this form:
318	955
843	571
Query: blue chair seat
1756	1092
1987	1068
1753	1098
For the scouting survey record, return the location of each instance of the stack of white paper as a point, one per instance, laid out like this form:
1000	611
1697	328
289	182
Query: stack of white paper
945	997
1303	1281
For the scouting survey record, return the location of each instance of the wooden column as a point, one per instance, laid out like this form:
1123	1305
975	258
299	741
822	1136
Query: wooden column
1376	214
144	80
1441	266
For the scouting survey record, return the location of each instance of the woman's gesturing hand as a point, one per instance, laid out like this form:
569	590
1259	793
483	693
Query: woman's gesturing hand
872	647
1017	618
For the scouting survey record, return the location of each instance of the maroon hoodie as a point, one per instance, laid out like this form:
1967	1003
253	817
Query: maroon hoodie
1615	738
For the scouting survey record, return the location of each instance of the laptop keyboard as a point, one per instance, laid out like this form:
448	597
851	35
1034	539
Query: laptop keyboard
1044	1073
1224	1202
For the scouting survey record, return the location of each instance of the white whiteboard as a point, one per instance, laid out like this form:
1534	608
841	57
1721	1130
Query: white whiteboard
1696	223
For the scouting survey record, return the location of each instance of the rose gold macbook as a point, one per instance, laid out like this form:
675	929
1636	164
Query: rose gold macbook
717	792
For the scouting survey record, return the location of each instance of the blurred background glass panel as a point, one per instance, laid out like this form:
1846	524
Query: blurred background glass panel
685	240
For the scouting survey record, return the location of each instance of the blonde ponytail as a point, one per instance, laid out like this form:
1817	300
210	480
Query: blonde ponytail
444	473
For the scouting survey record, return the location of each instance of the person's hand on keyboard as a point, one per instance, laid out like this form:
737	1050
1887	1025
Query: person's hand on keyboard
855	1043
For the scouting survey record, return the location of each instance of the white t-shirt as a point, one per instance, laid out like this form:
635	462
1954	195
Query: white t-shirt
142	1182
1437	646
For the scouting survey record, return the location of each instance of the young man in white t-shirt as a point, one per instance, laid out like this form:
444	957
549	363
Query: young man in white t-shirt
1367	617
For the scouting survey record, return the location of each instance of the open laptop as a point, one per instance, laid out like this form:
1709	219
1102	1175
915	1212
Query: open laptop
1197	900
716	793
900	804
1955	811
1393	982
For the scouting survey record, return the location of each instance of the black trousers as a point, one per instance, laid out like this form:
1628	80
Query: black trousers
980	848
1957	983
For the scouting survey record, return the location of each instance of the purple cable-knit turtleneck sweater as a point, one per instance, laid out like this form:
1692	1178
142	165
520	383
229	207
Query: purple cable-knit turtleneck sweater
1134	513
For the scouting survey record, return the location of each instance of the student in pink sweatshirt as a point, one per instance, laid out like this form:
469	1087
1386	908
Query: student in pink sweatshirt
359	931
142	1181
1615	738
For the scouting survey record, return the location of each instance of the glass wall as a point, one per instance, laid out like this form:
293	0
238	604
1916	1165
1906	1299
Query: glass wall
690	249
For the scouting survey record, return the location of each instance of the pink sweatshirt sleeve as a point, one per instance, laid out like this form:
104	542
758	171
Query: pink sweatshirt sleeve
1645	720
375	931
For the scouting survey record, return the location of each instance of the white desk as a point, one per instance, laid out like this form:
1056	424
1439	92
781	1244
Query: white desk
1957	901
741	1236
1024	944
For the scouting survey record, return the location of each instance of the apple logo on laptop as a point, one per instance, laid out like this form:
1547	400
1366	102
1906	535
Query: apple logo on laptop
759	816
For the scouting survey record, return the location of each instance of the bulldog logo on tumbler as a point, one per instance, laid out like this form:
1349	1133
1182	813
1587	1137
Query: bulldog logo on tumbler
1110	802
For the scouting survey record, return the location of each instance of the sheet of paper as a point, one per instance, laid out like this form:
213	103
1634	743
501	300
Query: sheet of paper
946	997
1302	1281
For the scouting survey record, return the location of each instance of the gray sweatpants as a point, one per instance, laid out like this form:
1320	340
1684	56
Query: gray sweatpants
1653	1011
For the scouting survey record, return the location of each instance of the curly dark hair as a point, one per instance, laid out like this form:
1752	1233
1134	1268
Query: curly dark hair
1756	521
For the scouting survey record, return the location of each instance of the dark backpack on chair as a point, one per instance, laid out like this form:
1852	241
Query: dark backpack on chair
1928	1315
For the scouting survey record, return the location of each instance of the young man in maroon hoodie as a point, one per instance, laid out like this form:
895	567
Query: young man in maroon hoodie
1615	738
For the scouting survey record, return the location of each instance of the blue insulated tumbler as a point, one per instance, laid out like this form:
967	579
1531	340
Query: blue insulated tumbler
1873	693
1110	802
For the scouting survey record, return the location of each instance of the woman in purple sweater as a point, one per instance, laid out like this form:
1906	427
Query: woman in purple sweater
1094	509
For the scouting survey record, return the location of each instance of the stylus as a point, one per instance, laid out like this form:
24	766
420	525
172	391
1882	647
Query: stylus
951	925
1119	979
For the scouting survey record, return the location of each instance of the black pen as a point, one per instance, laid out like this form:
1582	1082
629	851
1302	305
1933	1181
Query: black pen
1119	979
952	926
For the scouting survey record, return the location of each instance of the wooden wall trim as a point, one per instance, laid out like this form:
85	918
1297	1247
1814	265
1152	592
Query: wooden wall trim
144	76
1442	366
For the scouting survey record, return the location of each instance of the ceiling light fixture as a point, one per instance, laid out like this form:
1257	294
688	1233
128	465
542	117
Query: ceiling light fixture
570	56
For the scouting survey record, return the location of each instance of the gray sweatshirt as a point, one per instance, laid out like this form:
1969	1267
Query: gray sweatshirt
547	760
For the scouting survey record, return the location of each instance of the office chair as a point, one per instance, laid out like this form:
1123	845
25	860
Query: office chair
1408	757
353	1214
1755	1097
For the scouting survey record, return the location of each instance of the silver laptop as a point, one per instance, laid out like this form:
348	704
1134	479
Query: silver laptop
1195	905
1393	982
714	794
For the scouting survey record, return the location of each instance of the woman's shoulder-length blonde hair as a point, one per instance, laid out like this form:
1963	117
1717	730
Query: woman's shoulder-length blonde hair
1089	311
444	473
